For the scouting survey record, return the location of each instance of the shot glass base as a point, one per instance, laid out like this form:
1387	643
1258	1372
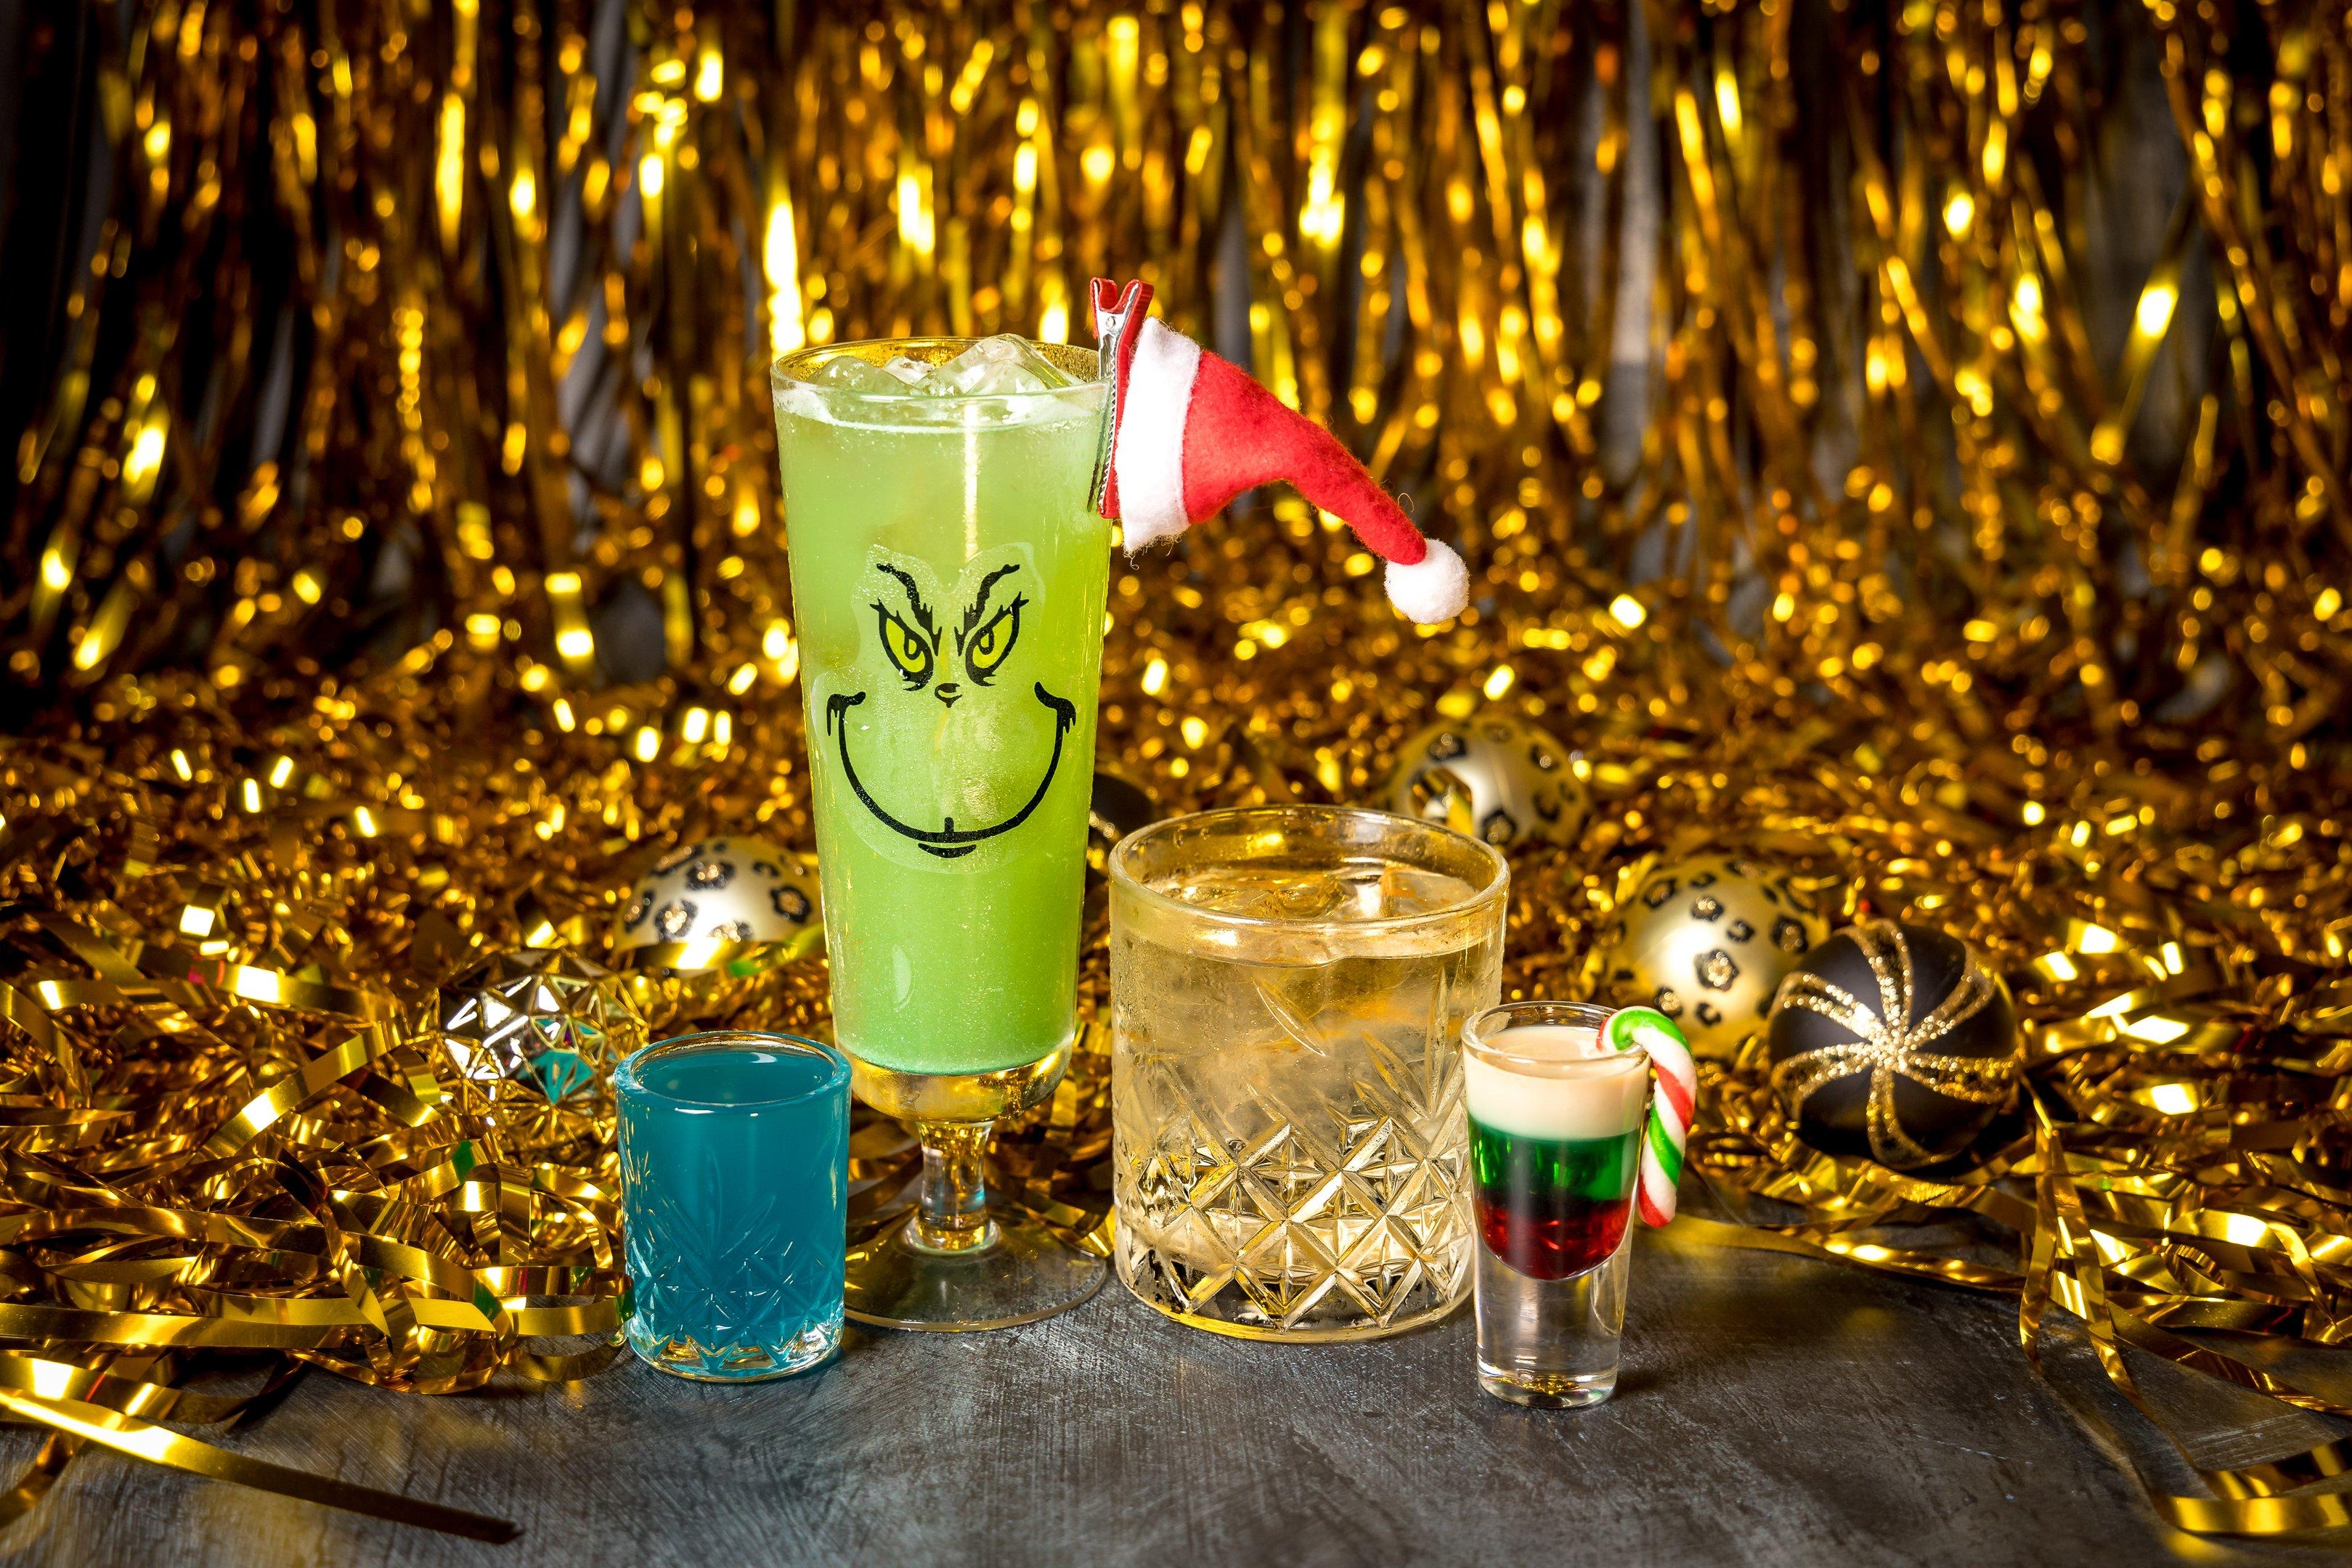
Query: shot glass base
1028	1274
1547	1390
681	1355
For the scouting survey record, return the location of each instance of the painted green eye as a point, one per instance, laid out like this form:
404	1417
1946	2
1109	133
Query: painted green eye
906	648
986	649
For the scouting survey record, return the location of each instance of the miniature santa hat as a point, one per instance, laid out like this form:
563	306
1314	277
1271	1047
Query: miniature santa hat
1186	432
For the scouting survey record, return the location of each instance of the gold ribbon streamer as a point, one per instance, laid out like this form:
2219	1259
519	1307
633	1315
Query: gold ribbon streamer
161	1446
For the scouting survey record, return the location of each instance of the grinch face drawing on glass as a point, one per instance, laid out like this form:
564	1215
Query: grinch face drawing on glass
946	739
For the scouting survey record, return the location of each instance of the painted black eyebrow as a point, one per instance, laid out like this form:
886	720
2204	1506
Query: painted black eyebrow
980	599
915	599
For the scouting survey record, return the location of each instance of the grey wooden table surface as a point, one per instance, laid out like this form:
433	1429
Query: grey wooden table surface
1774	1411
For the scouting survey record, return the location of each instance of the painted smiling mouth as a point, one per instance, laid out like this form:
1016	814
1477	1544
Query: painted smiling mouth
949	841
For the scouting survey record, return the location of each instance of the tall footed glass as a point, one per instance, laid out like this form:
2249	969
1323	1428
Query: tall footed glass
948	573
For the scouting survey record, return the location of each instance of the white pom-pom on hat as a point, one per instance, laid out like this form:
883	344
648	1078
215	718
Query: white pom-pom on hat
1187	431
1434	588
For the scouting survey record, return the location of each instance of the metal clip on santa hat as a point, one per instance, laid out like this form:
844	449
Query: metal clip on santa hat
1186	432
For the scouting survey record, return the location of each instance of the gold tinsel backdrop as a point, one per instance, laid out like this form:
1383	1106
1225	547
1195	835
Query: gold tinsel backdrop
1898	440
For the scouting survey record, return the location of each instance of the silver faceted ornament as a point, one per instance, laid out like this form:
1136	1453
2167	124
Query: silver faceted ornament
1493	776
723	890
1705	942
536	1032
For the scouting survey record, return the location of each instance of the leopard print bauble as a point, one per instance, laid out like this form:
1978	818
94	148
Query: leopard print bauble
1705	942
723	890
1492	776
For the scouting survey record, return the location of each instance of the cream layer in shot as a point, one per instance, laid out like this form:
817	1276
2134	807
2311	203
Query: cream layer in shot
1566	1085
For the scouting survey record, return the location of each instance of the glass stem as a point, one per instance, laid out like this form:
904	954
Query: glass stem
953	1214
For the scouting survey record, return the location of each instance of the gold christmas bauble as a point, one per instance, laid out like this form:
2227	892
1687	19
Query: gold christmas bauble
723	890
1705	942
1493	776
537	1033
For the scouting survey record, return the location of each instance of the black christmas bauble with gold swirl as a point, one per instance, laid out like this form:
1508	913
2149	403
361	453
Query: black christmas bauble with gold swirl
1705	941
1892	1042
1493	776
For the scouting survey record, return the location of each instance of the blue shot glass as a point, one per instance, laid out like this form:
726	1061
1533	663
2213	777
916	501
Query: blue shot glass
734	1197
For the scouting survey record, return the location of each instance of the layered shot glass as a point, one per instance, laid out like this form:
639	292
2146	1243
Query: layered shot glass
1555	1120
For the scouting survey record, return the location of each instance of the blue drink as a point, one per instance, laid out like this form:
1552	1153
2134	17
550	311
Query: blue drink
734	1172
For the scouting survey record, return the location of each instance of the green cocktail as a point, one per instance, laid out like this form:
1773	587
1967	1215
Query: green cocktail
948	574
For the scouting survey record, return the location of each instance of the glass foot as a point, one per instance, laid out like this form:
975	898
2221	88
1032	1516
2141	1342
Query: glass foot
1024	1274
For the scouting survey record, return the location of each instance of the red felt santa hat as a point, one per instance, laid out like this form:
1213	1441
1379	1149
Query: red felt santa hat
1187	431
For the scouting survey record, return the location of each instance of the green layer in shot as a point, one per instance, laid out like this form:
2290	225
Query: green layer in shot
1553	1171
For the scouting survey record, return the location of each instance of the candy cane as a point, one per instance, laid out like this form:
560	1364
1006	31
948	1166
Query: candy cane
1670	1107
